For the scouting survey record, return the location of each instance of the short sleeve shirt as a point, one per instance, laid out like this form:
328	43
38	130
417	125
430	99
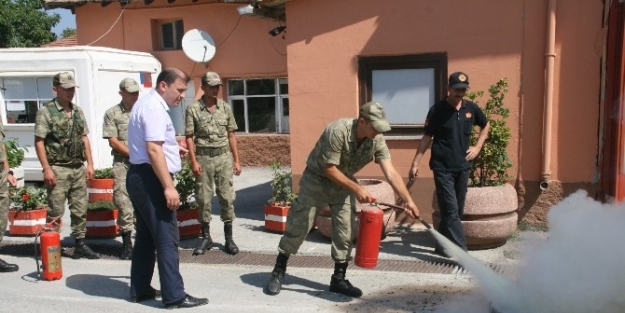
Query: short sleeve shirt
116	125
451	131
150	121
44	121
338	145
210	130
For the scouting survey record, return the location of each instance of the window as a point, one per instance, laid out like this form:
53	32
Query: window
170	34
407	86
23	96
260	105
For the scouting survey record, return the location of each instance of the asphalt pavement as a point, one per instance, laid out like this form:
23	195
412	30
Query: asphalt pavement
103	285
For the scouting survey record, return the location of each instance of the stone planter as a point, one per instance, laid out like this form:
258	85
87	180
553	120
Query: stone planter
188	225
490	216
102	224
381	190
100	189
27	223
275	217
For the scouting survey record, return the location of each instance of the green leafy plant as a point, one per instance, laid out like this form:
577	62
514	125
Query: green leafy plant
100	206
28	198
185	184
103	173
15	153
281	186
491	165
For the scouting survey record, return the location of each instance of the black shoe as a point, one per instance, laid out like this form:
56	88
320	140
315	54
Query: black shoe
274	285
7	267
84	251
187	302
343	286
231	247
156	295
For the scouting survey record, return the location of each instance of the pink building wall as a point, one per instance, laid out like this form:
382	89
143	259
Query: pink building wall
484	38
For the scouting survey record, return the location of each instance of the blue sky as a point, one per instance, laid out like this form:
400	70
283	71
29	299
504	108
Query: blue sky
68	20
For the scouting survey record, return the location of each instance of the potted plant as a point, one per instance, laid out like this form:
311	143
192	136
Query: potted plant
100	187
278	205
102	219
187	213
490	216
15	156
28	212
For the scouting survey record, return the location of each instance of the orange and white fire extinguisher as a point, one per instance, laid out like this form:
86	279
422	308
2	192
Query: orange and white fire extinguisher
50	246
368	243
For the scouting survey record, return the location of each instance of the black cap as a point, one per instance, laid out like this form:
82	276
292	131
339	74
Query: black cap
459	80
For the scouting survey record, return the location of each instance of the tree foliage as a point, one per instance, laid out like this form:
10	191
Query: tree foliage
68	32
24	23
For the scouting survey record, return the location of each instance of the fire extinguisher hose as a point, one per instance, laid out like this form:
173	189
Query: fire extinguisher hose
404	209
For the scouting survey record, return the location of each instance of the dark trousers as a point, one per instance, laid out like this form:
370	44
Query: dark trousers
157	231
451	191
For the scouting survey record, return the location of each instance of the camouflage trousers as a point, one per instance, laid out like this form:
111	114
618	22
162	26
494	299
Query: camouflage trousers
217	172
315	193
125	220
71	185
4	201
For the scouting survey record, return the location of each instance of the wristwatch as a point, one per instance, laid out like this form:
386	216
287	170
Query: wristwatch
10	172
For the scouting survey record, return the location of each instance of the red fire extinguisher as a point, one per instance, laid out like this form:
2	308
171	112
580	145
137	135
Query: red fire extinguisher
368	244
50	246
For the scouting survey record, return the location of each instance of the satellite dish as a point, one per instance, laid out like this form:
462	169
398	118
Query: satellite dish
198	45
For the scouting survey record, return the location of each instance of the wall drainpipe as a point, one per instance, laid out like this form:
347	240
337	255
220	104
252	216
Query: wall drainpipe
547	119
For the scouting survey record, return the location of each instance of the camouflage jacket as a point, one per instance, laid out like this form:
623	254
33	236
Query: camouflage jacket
116	125
338	145
3	154
62	134
209	129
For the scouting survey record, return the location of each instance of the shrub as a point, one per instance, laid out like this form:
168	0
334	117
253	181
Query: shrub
100	206
490	167
103	173
185	184
28	198
15	154
280	186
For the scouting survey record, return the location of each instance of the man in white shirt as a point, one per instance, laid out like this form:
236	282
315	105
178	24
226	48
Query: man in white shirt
154	158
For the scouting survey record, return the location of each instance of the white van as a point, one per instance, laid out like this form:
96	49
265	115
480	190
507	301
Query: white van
26	85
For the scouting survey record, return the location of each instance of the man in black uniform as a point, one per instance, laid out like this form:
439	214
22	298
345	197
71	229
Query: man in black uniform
450	122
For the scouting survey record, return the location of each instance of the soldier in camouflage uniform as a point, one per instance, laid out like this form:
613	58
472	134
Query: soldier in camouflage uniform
213	147
62	147
6	178
115	130
344	148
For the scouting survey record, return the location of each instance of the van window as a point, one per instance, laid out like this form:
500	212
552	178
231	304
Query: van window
23	96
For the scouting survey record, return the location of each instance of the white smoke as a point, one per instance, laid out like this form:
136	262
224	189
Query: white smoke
578	269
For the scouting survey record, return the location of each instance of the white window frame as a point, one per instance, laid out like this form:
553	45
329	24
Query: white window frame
282	124
40	101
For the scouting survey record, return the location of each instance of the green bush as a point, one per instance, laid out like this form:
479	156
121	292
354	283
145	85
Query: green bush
280	186
490	167
15	153
28	198
102	173
185	184
100	206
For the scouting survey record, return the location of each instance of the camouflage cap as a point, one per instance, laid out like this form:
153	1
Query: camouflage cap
374	112
211	78
65	80
129	84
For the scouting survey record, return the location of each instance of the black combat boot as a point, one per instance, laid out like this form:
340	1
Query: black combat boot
274	285
83	251
230	246
126	246
7	267
206	243
339	284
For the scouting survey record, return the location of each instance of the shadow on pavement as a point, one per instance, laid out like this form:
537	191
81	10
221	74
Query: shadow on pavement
103	286
293	283
249	202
